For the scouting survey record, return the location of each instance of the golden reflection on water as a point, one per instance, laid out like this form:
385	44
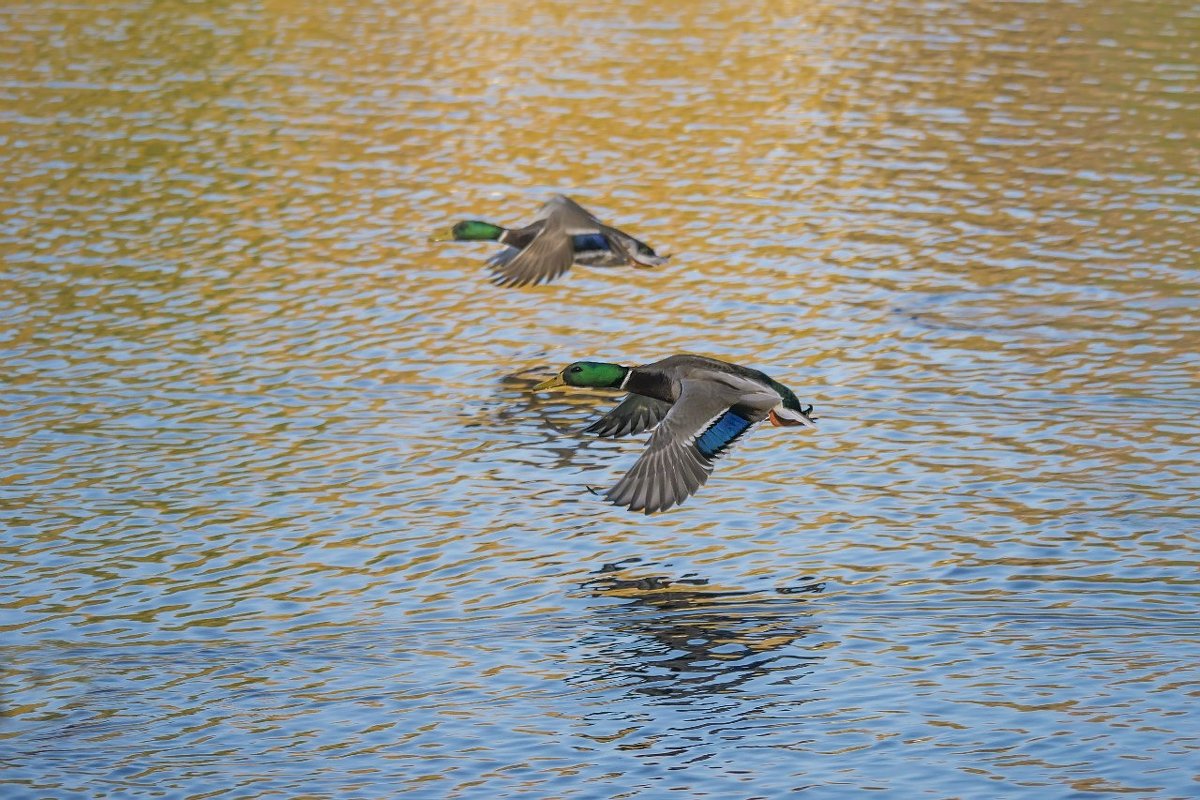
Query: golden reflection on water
283	516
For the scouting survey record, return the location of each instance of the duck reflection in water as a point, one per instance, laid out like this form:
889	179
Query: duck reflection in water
677	640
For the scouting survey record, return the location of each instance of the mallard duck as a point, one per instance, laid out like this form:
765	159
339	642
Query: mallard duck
563	233
700	406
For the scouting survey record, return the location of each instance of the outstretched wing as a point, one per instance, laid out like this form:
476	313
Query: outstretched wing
551	251
572	217
545	258
634	414
681	452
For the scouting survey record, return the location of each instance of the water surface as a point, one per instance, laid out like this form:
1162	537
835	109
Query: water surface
282	518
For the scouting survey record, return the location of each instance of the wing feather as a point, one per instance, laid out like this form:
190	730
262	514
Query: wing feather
634	414
671	469
545	258
674	464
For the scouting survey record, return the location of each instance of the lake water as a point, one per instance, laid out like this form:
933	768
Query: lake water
282	518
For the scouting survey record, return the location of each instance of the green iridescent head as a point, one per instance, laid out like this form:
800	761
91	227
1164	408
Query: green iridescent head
474	230
590	374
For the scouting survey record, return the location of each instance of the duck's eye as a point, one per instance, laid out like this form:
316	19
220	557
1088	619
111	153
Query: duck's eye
576	369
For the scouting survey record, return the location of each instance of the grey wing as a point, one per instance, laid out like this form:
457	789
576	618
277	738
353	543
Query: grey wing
552	250
634	414
571	217
545	258
672	468
501	259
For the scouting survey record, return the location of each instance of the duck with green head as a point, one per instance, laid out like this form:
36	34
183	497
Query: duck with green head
698	407
563	233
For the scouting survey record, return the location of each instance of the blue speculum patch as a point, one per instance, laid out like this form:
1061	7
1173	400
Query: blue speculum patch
721	433
586	242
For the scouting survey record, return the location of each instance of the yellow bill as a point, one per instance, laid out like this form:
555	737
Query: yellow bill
553	383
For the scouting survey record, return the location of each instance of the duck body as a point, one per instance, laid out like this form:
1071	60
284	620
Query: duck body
697	406
563	233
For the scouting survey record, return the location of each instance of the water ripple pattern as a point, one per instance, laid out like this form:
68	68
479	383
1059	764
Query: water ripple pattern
281	516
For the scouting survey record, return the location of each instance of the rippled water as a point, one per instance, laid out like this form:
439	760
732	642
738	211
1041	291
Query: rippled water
282	518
